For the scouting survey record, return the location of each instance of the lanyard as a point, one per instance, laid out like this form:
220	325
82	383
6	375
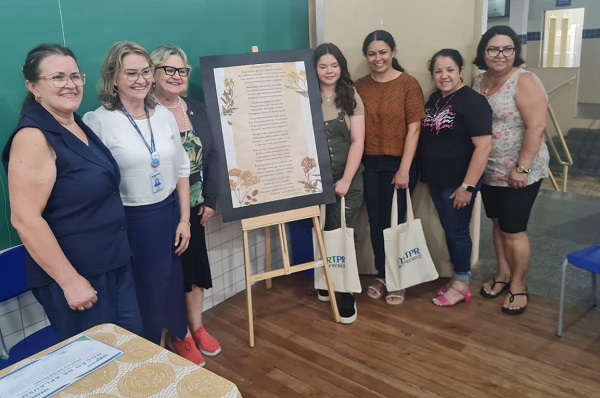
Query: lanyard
155	158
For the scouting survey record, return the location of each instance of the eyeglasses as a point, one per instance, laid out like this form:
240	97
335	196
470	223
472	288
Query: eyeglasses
495	51
132	74
170	70
61	80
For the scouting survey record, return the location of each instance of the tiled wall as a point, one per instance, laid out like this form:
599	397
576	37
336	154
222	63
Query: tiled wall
23	315
20	317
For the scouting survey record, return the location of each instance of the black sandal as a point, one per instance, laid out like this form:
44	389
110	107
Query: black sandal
516	311
486	295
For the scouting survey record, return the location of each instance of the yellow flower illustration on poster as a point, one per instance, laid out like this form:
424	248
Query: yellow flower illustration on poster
297	81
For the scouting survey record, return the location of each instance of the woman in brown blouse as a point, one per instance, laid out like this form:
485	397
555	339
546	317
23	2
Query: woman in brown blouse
393	111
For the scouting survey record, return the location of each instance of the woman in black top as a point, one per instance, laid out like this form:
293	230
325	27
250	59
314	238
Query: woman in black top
454	146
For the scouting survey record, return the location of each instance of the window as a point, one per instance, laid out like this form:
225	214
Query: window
561	44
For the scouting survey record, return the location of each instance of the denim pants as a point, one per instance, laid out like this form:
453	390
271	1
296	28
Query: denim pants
377	176
456	227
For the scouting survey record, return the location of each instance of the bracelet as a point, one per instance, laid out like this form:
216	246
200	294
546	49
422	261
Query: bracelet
187	222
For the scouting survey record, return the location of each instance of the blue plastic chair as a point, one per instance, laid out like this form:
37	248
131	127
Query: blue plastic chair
13	282
587	259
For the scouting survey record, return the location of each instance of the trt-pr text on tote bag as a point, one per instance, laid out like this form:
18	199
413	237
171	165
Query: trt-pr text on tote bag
407	259
341	257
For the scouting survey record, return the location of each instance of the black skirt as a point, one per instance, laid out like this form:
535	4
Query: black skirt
196	268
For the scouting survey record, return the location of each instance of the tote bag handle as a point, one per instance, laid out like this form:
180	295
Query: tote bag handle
342	214
410	216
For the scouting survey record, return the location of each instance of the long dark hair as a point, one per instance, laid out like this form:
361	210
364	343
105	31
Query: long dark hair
344	88
31	67
487	36
386	37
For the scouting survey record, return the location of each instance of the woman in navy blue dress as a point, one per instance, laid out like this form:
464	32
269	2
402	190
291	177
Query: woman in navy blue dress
65	203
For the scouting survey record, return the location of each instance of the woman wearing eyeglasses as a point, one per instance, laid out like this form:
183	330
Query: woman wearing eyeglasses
144	139
171	82
63	187
518	161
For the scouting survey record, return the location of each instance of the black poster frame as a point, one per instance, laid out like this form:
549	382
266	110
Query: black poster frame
208	65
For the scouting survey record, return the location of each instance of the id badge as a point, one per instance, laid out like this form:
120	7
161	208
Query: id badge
156	182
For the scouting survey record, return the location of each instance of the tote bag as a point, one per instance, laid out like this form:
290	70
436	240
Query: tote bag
407	259
341	256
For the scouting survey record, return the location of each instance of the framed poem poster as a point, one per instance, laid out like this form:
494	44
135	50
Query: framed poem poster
265	109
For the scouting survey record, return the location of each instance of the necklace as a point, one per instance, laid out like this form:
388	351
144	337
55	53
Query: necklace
185	125
438	109
327	98
171	107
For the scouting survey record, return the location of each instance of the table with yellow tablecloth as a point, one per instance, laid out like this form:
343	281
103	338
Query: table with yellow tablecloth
144	370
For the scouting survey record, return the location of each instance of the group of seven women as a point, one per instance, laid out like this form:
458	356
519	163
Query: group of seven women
121	197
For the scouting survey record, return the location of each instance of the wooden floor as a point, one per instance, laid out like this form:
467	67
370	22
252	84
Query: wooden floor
412	350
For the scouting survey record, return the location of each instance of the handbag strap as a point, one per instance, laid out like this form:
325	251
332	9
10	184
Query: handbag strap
394	215
343	213
410	216
323	209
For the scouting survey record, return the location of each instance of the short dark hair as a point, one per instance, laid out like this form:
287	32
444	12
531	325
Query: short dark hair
487	36
446	52
31	67
344	90
386	37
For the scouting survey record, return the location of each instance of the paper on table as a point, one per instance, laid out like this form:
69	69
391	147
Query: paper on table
58	369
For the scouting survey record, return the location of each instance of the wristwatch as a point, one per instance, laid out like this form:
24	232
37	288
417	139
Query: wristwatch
467	187
522	170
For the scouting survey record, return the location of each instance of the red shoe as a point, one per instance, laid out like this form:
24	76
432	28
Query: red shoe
187	349
207	344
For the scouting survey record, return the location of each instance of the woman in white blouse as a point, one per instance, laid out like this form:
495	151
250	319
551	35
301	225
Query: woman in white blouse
155	189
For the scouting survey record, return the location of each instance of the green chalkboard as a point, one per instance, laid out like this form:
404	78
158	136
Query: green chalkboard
89	28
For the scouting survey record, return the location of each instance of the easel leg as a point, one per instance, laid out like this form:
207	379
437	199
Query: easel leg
248	290
268	282
332	300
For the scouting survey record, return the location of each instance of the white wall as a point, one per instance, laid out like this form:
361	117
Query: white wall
537	8
420	28
586	89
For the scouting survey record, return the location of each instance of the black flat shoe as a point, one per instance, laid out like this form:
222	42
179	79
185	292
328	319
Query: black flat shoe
347	308
486	295
322	295
516	311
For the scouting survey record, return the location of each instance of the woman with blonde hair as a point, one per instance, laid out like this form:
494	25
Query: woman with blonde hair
171	76
144	140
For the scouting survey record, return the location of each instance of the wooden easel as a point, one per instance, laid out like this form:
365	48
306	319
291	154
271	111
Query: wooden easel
279	219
